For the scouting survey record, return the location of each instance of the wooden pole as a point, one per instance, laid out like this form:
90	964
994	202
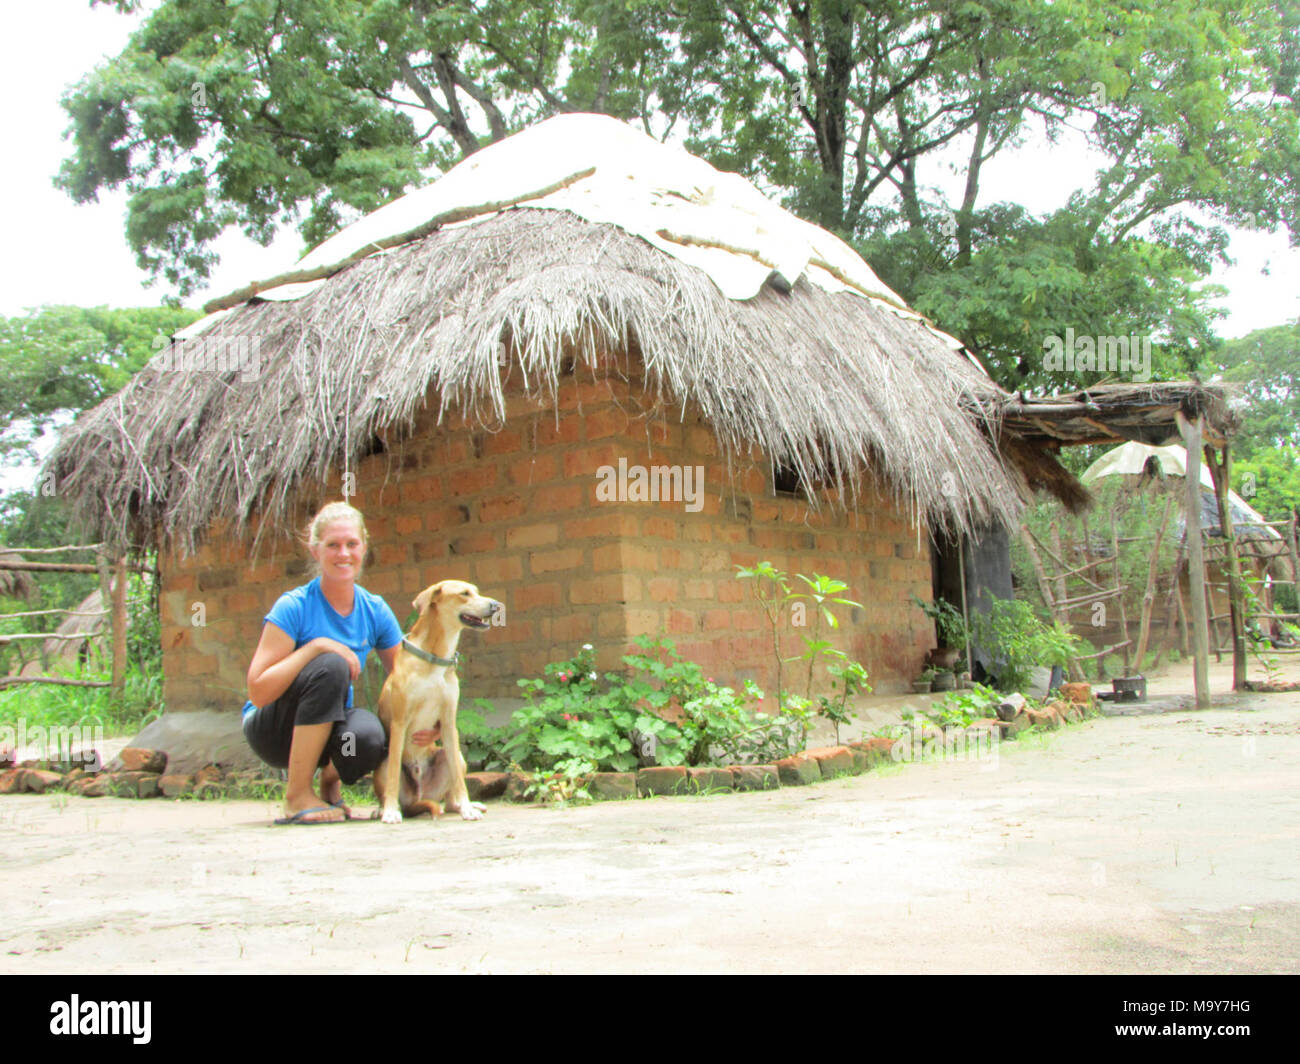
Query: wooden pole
1192	432
1149	594
1219	472
119	627
1119	588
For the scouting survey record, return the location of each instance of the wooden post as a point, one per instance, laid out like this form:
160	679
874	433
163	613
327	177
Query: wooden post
1191	432
1119	598
1149	595
119	626
1219	470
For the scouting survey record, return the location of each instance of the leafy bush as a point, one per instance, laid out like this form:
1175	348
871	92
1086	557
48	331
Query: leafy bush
1019	642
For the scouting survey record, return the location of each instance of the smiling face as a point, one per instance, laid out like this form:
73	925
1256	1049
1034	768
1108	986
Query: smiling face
457	604
340	552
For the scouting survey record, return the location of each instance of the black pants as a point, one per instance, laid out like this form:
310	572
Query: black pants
317	695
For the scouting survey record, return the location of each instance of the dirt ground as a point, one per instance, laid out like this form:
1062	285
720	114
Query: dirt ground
1157	843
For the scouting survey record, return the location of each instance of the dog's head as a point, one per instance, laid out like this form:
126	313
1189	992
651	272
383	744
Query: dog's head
457	605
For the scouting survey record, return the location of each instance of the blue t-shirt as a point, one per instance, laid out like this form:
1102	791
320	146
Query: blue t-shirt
303	614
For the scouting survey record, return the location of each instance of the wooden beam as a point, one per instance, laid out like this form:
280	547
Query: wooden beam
1191	433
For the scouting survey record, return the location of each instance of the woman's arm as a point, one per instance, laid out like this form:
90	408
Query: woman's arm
276	664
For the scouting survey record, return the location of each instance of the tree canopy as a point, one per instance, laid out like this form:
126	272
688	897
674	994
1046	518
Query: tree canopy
256	114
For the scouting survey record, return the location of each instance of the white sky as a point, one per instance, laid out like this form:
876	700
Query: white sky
59	252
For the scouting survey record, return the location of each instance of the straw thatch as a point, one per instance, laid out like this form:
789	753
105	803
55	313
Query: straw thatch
826	383
15	583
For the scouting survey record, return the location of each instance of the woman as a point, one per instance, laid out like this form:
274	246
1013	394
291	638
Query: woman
314	642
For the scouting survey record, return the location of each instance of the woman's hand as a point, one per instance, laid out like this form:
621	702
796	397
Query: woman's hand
325	645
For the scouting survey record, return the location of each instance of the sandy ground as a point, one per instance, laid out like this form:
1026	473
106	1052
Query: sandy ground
1151	843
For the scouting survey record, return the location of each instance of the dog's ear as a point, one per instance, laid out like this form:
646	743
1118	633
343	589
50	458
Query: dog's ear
426	596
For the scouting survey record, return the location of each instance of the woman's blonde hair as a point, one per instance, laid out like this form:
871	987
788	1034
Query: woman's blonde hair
330	513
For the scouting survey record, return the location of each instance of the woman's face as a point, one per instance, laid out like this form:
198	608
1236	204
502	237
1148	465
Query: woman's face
341	551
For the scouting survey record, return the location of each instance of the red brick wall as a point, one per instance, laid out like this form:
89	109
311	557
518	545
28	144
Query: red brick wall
516	512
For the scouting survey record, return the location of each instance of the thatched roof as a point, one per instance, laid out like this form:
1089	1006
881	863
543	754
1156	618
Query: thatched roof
827	382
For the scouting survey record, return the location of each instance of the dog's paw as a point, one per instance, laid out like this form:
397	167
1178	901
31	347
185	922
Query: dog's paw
472	810
391	816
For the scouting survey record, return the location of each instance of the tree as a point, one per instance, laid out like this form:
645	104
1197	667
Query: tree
59	360
1265	365
254	114
248	115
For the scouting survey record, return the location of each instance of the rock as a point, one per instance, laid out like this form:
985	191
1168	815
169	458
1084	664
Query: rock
1046	717
613	786
174	784
147	786
705	779
833	760
209	774
100	786
1017	724
485	785
1010	706
662	779
877	748
208	789
1077	692
756	777
11	781
193	740
141	759
38	781
517	786
798	770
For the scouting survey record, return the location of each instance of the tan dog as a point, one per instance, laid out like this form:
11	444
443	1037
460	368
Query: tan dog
421	695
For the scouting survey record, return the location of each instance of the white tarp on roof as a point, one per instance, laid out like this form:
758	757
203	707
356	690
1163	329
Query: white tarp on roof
1130	459
638	184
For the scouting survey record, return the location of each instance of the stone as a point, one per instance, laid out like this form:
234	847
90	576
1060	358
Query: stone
195	739
485	785
613	786
1017	724
100	786
11	781
174	784
1010	706
147	786
208	774
141	759
833	760
1043	718
798	770
662	779
1080	693
876	748
708	778
517	787
38	781
209	789
756	777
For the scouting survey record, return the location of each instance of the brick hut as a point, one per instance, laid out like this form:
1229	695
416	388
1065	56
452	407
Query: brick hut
501	368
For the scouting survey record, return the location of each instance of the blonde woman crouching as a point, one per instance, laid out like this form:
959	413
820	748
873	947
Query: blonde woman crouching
314	642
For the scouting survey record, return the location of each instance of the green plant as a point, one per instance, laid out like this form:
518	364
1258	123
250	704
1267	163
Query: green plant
570	713
847	679
566	783
947	618
1018	642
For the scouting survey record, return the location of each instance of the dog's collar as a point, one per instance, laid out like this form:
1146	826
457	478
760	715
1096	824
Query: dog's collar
432	659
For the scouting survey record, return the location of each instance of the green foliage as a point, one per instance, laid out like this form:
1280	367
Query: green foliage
960	709
59	360
1265	364
662	710
1020	642
848	678
948	619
